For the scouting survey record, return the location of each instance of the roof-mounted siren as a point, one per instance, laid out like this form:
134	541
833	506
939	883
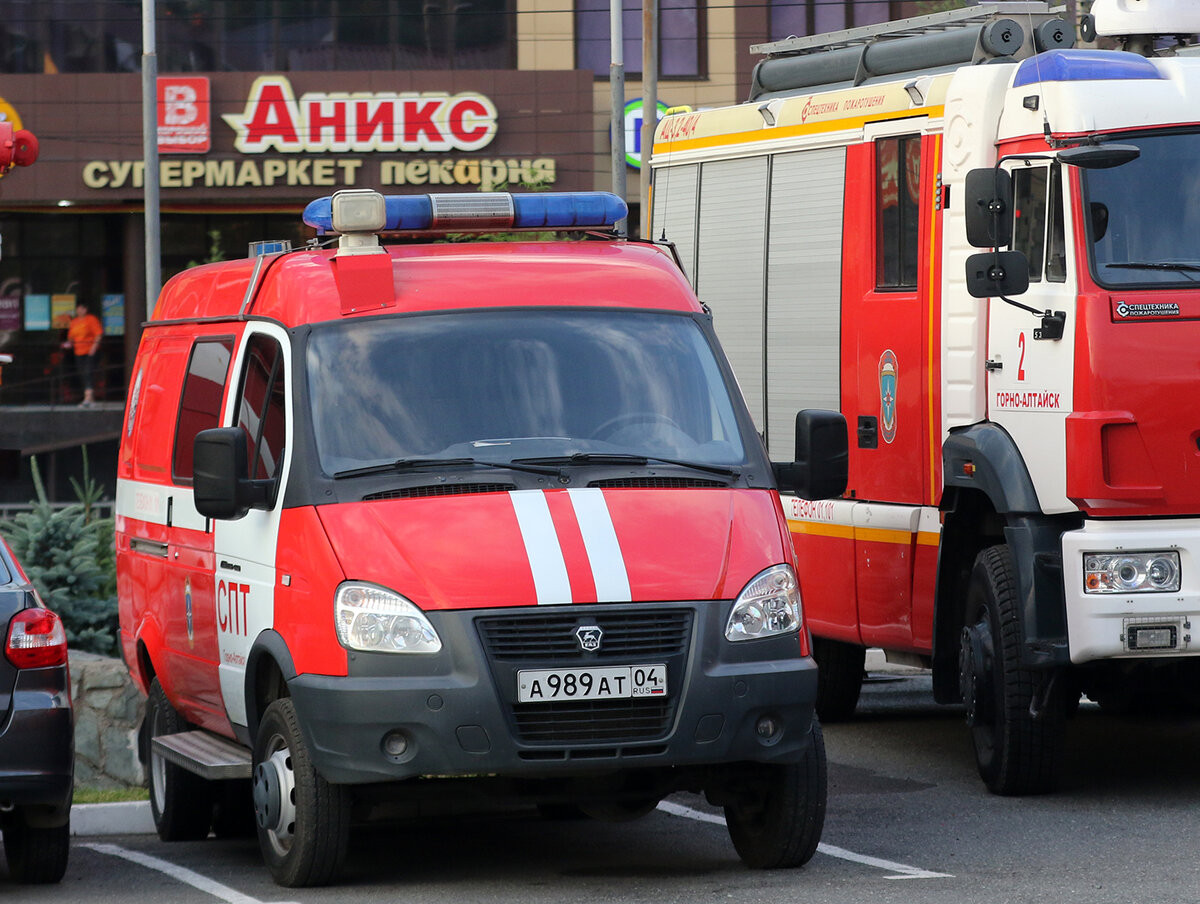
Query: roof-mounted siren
1137	24
360	214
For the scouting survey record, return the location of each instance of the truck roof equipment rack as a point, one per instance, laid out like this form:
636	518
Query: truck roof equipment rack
946	40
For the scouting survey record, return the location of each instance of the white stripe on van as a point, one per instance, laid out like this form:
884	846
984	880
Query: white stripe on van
542	547
603	550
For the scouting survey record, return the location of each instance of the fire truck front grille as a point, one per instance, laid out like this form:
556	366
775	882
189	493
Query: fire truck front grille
597	721
668	483
441	489
540	638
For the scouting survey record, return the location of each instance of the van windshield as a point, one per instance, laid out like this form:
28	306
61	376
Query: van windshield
1143	217
499	386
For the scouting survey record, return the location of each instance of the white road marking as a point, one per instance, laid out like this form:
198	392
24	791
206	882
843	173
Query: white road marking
177	872
901	870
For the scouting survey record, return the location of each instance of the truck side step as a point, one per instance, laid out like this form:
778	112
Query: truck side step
204	753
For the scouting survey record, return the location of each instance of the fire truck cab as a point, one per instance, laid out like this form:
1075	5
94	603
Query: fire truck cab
978	242
411	524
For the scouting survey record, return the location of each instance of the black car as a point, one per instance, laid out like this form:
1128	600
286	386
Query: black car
37	740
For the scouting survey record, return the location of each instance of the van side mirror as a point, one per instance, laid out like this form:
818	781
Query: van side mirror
992	274
821	468
219	485
988	207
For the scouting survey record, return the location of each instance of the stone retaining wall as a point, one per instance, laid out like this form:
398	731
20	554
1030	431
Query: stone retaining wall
108	711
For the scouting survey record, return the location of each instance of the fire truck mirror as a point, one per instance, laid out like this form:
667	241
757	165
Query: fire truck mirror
989	201
992	274
821	468
1099	156
219	461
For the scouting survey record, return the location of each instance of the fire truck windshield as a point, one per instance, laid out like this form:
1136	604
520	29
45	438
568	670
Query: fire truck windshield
1143	218
498	386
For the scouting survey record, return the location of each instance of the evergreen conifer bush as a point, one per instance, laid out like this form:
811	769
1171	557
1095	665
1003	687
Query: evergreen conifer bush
69	556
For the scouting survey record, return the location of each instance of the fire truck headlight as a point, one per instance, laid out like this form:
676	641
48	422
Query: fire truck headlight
768	605
1131	572
377	620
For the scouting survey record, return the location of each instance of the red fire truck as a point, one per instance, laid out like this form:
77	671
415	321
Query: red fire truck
407	525
980	244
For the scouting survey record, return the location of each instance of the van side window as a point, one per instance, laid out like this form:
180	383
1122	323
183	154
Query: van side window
200	402
261	413
897	193
1038	230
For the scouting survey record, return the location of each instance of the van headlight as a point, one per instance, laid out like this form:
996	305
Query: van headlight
377	620
768	605
1131	572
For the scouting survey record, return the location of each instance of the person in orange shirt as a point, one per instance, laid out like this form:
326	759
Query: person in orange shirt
83	337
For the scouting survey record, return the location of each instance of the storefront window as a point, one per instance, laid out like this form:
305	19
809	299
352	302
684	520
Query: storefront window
680	37
280	35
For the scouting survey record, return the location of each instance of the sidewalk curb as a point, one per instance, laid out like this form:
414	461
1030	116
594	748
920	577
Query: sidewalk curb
121	818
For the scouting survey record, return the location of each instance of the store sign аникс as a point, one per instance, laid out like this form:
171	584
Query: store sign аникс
385	121
276	138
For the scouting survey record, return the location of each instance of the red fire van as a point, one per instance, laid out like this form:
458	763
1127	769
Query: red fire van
414	521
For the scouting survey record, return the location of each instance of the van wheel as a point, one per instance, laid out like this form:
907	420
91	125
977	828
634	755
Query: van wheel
36	855
1016	752
777	811
180	801
303	821
839	678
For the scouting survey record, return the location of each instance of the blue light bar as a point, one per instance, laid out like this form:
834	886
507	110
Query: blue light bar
487	211
1083	66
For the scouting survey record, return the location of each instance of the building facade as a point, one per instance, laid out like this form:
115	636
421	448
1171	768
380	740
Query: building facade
264	105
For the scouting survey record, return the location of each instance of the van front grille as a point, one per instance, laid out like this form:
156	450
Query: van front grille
665	632
596	721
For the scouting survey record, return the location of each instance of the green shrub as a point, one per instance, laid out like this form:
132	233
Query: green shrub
69	556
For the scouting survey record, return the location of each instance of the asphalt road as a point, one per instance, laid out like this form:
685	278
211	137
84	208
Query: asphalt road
908	821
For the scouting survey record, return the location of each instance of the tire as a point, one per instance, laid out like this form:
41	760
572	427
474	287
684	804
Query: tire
839	678
303	821
36	855
1016	752
778	810
180	801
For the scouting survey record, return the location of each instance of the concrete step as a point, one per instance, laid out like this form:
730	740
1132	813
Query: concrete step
204	753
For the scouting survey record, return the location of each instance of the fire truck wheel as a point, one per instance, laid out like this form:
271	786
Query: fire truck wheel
1017	753
303	821
776	811
839	678
36	855
180	801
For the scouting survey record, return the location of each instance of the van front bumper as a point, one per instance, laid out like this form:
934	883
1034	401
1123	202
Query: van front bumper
455	713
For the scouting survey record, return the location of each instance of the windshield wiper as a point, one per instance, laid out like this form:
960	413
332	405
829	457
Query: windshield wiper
1155	265
624	458
416	464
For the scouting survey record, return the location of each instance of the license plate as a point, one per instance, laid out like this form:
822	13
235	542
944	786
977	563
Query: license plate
603	683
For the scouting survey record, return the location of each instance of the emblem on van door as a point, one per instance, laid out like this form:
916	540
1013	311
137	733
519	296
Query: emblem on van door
589	637
889	373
